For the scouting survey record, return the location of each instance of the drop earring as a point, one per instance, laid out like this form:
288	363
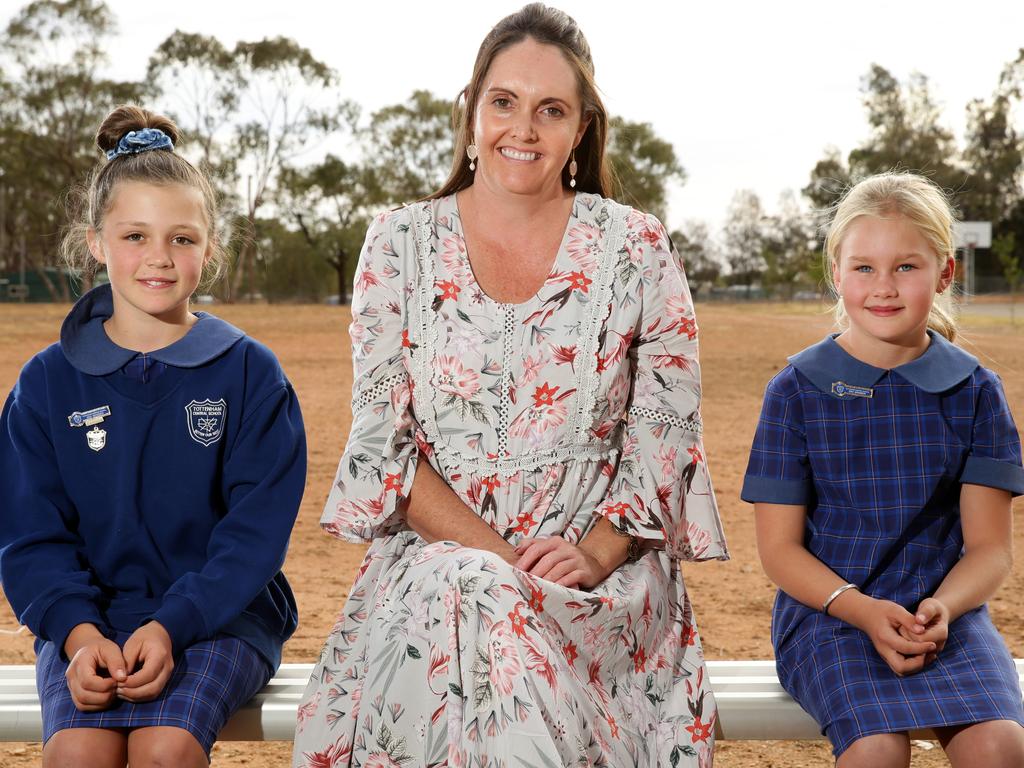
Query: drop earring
572	169
471	153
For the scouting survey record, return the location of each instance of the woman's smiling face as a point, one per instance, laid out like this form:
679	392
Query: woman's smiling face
527	120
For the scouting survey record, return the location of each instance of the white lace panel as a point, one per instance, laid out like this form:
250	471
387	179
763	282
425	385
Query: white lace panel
426	333
690	424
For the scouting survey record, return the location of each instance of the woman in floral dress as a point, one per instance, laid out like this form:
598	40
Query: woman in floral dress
525	456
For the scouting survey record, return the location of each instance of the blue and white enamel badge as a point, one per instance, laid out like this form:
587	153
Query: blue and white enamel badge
90	417
205	420
842	389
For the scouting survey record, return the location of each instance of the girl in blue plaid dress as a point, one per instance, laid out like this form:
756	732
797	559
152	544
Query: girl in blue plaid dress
881	474
153	462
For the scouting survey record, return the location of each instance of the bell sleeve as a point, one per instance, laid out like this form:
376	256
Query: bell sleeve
44	577
994	459
661	491
376	470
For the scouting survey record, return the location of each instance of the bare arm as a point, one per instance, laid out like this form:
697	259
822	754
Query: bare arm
988	550
437	513
780	532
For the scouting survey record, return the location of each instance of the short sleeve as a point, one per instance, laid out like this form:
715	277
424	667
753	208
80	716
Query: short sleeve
994	459
778	471
379	462
661	491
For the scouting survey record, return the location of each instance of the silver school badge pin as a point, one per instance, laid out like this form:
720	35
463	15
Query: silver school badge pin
842	389
96	437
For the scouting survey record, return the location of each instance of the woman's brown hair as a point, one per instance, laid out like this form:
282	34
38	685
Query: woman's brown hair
548	26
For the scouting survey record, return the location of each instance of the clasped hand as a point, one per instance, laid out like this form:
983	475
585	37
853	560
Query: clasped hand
907	642
99	670
555	559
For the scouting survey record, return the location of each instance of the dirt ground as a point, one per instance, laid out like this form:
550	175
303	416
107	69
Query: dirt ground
742	346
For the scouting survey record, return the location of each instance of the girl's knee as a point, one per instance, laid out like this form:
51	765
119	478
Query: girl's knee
85	748
879	750
165	747
992	744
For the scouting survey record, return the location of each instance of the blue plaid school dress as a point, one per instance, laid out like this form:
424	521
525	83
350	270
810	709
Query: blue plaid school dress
878	458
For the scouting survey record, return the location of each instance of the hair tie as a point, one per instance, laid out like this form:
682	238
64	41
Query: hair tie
142	140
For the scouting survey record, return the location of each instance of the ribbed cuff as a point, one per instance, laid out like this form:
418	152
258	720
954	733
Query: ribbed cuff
183	622
64	615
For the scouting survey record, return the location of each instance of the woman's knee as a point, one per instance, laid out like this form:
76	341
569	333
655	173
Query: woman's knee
86	748
165	747
880	750
991	744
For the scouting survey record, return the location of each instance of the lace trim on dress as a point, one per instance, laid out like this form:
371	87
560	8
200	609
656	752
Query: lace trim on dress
509	329
690	424
612	215
588	380
370	395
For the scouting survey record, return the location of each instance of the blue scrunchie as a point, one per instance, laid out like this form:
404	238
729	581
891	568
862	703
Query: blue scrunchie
134	142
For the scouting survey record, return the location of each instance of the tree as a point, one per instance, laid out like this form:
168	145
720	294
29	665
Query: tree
644	163
281	117
1004	247
744	238
697	251
201	84
905	130
407	149
53	99
788	246
830	178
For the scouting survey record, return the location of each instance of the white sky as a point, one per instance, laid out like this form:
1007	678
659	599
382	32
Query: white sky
749	93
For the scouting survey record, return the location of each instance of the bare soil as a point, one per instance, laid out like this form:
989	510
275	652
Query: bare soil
742	347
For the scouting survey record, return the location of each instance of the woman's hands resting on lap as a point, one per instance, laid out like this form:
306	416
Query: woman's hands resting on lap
555	559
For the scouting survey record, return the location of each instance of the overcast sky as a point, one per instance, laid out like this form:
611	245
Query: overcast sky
749	93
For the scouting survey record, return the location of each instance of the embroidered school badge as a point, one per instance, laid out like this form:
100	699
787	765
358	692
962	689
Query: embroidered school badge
97	438
205	420
842	389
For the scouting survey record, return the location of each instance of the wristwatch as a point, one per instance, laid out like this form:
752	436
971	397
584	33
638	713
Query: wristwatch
633	551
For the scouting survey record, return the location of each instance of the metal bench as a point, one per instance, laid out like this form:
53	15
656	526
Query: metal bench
751	705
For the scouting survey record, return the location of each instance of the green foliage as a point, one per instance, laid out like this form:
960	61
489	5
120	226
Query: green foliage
53	100
1005	249
644	163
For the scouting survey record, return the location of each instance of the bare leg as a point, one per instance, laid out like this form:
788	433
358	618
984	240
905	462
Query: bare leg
880	750
165	747
991	744
86	748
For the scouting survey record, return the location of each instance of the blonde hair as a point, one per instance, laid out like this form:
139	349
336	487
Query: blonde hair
88	205
924	205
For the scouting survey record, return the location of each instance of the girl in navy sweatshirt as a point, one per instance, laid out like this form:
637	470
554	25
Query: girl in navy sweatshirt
153	462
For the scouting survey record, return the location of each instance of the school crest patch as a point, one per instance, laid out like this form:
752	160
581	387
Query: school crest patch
205	420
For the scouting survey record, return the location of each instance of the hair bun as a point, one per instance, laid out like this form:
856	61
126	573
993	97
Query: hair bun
129	117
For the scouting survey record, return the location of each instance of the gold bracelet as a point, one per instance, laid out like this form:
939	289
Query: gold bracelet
834	595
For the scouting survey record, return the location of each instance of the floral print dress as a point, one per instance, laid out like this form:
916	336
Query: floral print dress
581	402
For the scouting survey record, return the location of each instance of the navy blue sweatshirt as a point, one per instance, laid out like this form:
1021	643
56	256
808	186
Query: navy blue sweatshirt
130	498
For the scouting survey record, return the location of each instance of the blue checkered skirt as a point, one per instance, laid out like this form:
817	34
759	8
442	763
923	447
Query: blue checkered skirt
842	682
211	680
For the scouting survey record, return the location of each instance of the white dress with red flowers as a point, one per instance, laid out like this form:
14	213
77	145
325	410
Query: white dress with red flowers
580	402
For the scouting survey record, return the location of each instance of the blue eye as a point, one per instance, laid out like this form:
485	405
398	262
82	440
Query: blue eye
905	267
864	268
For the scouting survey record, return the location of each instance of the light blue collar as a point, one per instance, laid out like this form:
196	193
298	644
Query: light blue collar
87	347
832	369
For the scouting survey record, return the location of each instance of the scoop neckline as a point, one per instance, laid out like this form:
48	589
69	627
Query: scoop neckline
552	269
